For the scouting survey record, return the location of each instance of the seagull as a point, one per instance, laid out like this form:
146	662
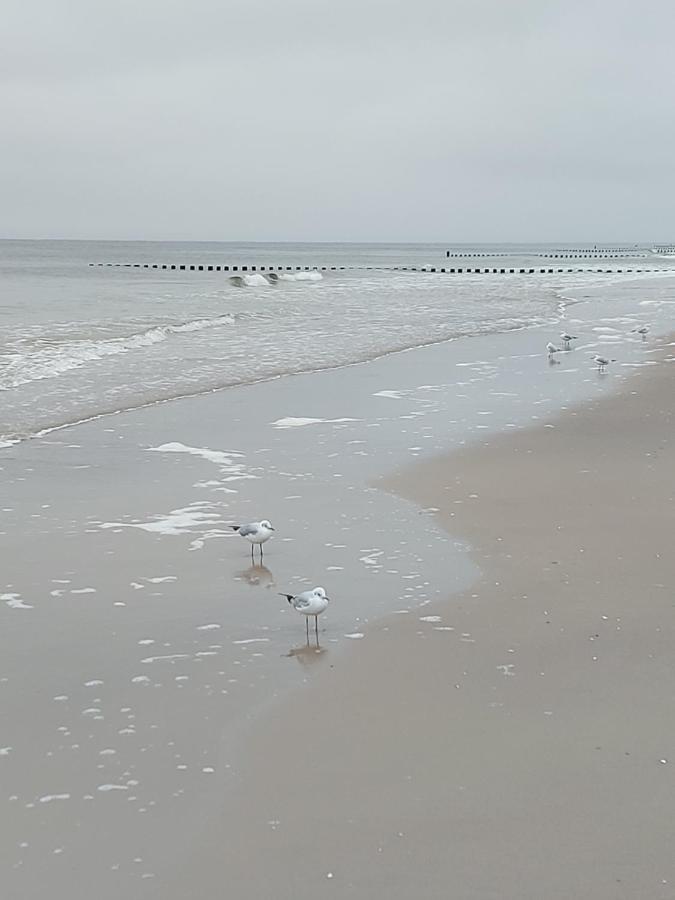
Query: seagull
552	349
643	330
256	533
309	603
602	362
566	338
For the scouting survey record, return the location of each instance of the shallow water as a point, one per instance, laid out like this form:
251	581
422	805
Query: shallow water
78	340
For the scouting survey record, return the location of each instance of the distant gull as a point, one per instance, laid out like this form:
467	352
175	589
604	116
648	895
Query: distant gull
552	349
566	338
309	603
643	330
602	362
256	533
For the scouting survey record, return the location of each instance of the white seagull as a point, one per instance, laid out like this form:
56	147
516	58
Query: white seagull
256	533
566	338
552	349
309	603
602	362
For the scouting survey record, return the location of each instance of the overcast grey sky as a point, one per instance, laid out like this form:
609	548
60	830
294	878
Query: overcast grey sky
449	120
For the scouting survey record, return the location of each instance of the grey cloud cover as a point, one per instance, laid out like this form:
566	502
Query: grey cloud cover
298	120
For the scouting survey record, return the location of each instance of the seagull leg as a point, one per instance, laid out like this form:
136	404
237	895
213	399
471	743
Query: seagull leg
261	554
251	553
316	629
307	624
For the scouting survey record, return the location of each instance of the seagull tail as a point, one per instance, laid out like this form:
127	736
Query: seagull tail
289	597
235	527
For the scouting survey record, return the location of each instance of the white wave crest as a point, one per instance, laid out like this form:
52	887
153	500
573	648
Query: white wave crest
308	276
253	280
23	367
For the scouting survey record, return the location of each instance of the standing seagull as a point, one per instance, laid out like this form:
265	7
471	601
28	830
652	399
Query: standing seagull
256	533
566	338
309	603
552	349
602	362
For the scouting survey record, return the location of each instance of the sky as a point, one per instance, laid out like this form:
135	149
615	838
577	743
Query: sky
357	120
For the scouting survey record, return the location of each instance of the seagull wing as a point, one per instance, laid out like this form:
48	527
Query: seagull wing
245	530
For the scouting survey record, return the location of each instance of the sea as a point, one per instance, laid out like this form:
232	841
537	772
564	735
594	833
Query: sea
91	328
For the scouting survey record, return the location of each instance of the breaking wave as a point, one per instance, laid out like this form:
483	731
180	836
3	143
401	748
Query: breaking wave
48	360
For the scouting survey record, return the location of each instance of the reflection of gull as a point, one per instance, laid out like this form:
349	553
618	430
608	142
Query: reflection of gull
310	603
552	349
566	338
307	655
256	575
256	533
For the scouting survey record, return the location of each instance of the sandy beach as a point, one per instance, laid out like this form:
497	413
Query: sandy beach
515	741
488	709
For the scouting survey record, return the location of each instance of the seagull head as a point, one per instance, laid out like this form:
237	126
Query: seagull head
319	592
267	524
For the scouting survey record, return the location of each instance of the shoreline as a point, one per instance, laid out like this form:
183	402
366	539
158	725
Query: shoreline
560	304
515	740
19	426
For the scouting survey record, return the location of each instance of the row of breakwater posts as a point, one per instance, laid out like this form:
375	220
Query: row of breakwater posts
195	267
572	254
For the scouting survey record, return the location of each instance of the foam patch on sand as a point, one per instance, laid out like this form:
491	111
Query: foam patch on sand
14	601
298	422
225	459
391	395
167	656
179	521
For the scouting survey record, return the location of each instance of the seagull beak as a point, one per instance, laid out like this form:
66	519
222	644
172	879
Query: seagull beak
272	528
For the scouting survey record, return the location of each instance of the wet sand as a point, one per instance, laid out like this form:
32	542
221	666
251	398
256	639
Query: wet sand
515	742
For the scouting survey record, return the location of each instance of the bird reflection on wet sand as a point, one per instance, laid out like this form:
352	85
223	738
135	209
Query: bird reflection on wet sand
256	575
307	655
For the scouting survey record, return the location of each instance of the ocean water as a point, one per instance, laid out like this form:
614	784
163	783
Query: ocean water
79	339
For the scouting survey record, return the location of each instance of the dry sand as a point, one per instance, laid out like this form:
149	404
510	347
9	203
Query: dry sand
521	747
